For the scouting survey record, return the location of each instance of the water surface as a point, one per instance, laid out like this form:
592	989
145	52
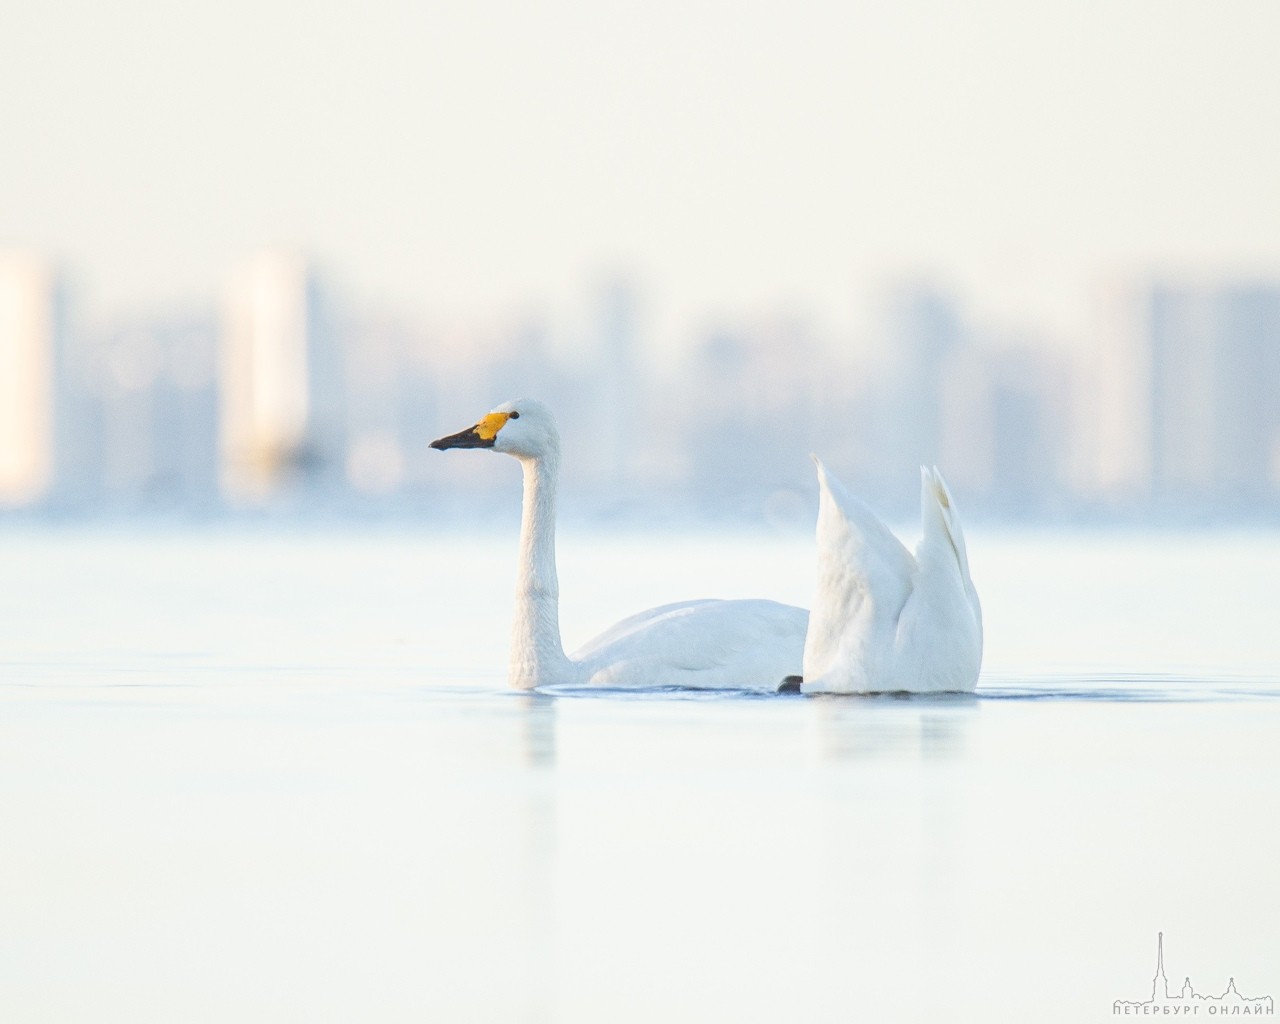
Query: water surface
264	776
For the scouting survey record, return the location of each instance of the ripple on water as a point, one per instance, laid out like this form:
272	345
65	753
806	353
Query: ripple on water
1130	687
1101	687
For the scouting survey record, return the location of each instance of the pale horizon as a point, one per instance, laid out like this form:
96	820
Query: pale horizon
473	162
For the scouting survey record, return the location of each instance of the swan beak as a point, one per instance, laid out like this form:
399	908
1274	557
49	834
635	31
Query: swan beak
482	435
469	438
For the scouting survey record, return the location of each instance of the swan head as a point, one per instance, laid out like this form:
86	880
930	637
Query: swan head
524	428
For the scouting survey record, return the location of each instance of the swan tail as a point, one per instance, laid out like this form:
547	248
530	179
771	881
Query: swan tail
934	489
864	578
868	545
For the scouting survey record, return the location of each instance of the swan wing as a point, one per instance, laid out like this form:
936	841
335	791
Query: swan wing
704	644
939	635
864	580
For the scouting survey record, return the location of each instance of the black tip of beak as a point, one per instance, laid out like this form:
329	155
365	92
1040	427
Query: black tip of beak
463	439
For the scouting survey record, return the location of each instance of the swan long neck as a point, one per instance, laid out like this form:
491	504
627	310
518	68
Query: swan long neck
537	654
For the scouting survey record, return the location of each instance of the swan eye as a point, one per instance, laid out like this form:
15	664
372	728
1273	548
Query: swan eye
514	415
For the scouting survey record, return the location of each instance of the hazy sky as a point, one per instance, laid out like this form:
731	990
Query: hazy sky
468	156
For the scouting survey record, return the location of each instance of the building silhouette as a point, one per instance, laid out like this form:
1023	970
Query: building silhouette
281	401
31	326
155	407
920	338
618	387
280	398
1184	408
1188	1000
1004	426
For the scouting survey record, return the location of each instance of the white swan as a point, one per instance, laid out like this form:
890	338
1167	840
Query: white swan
883	620
709	644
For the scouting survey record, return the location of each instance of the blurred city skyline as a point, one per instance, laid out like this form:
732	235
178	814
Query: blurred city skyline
291	392
262	252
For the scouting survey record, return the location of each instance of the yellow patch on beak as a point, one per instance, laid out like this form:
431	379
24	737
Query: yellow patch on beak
488	428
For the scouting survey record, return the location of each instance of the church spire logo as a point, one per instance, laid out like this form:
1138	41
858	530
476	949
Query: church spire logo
1188	1002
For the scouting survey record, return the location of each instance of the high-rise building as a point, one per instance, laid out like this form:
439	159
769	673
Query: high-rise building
1181	347
1247	383
922	335
1215	371
750	416
154	403
281	373
1184	408
29	326
617	383
1004	427
1111	422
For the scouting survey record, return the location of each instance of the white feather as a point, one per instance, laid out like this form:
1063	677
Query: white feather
707	644
884	620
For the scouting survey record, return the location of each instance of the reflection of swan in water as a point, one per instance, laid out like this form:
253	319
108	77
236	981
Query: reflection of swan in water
538	730
882	619
892	727
749	644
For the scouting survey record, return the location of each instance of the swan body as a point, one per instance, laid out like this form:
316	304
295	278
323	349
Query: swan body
884	619
707	644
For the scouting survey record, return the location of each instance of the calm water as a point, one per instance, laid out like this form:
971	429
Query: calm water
272	777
